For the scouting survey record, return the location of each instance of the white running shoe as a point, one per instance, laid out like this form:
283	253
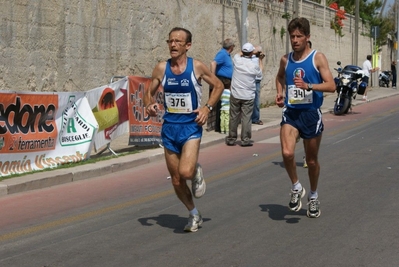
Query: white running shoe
194	221
313	208
305	165
198	185
295	202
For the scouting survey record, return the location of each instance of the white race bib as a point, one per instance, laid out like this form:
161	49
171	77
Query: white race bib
179	102
299	96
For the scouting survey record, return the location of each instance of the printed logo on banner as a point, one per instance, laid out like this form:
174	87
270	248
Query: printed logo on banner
144	130
74	130
27	122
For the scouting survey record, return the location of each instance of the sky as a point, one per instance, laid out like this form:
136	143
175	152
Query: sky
388	5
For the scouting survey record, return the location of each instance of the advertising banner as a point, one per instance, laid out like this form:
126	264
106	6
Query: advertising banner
45	130
110	108
143	129
39	131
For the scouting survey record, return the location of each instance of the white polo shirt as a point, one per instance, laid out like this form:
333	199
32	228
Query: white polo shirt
244	73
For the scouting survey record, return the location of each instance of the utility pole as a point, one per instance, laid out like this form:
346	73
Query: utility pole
396	38
355	50
244	24
295	6
287	40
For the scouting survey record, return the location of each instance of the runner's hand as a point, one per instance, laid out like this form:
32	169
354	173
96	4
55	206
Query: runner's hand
202	115
152	110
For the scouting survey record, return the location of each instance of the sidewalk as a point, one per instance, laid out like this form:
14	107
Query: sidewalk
271	116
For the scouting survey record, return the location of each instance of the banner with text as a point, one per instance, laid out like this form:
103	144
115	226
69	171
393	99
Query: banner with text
39	130
143	129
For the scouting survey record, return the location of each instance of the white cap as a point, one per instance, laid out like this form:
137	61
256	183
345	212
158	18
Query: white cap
247	47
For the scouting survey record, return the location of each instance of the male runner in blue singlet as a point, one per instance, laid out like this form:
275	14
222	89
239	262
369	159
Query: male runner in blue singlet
184	117
302	78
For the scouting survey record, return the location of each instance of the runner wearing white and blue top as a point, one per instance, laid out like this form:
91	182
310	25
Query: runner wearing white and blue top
184	117
182	94
302	78
307	102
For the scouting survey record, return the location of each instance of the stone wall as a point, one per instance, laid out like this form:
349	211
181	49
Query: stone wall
78	45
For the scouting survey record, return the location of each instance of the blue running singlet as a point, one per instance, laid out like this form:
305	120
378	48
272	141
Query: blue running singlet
182	94
297	98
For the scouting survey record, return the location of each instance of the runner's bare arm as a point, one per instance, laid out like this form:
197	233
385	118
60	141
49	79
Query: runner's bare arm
328	84
157	75
280	82
203	73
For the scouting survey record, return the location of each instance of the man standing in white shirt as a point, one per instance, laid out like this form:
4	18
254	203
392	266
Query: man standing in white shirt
368	69
243	94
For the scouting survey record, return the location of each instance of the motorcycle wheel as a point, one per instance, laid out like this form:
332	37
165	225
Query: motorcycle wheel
349	106
381	83
341	105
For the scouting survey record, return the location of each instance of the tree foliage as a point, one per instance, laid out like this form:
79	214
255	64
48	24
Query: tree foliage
367	10
369	13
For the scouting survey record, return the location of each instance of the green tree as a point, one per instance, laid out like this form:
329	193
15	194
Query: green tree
369	13
367	10
388	23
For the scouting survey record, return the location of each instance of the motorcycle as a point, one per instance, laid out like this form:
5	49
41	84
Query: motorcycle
384	78
348	85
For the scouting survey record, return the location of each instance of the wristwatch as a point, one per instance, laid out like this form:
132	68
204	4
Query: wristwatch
310	87
209	106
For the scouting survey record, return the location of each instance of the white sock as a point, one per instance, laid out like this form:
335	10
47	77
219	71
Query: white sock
194	211
297	186
313	195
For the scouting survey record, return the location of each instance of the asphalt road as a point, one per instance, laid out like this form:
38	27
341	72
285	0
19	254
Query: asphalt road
133	218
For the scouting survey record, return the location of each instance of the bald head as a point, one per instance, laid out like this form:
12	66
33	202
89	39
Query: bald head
257	49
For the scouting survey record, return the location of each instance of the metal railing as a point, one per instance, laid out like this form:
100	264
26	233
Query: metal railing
317	14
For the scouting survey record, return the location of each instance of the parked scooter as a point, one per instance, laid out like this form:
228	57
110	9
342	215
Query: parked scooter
384	78
348	85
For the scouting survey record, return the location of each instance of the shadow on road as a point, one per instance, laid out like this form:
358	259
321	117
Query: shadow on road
174	222
281	164
279	213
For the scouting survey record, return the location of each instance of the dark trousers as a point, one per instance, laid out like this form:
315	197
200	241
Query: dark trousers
214	116
240	111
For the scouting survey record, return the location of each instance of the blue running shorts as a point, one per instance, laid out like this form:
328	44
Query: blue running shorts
174	136
307	122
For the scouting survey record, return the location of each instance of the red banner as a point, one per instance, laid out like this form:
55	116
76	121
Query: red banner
27	122
39	131
144	130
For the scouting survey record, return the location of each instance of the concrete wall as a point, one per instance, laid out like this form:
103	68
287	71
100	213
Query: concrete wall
78	45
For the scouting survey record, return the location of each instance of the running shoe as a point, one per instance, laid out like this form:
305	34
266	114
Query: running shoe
313	208
198	185
194	221
295	203
305	165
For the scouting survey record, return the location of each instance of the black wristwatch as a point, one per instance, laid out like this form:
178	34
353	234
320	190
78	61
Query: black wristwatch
209	106
310	87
